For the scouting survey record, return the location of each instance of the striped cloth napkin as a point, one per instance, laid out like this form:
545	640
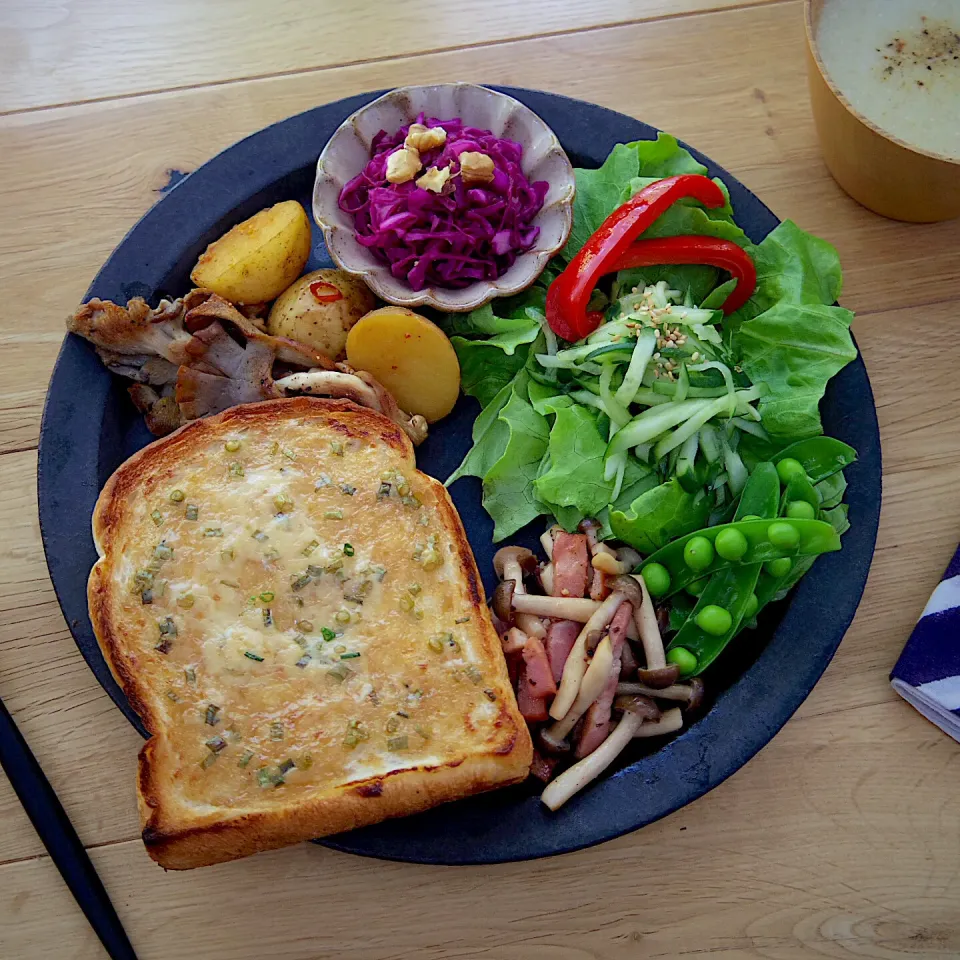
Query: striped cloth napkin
927	674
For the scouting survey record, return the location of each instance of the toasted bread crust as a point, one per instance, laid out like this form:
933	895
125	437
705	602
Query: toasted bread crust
181	832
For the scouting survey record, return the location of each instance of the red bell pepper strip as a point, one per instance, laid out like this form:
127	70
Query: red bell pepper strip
569	294
694	249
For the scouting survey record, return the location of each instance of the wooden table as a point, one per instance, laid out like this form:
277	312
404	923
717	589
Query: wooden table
840	839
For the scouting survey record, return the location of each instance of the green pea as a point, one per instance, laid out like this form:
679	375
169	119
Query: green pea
751	516
783	535
714	620
778	568
697	587
753	605
698	553
683	658
801	510
731	544
657	578
788	468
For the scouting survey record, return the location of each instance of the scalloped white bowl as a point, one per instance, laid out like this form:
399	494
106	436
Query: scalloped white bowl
348	151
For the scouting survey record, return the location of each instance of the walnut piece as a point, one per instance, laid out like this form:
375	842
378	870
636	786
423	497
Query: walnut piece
403	165
425	138
434	179
475	168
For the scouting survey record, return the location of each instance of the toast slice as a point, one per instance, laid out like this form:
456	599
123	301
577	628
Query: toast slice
295	613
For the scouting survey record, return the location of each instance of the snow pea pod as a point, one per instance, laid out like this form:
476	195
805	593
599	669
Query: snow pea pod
731	588
799	488
813	537
821	457
831	490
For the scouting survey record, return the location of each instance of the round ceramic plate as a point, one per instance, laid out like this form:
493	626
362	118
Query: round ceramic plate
90	427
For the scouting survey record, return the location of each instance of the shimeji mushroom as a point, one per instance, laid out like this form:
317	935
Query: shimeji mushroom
591	686
691	693
508	562
563	608
637	711
657	672
576	665
670	722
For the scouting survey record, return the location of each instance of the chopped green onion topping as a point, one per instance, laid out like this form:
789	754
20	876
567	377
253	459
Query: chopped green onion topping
435	644
289	454
323	481
232	446
490	694
216	744
339	648
384	491
236	469
348	488
348	550
339	673
208	761
306	762
227	555
157	518
462	620
259	536
287	766
172	696
414	588
306	625
343	616
211	715
250	655
245	759
185	601
146	597
333	514
336	448
276	730
267	596
395	744
177	496
299	581
190	675
473	674
231	583
163	552
213	532
406	716
424	732
327	633
283	503
167	627
303	661
267	617
393	725
349	656
309	548
406	604
268	778
192	512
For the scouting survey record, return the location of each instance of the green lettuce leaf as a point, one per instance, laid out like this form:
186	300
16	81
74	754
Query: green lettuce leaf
484	369
660	515
508	492
794	350
575	477
490	436
793	266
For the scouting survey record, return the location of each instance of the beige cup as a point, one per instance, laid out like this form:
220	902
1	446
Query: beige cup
878	170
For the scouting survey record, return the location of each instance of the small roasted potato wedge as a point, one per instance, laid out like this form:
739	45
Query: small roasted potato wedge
410	356
257	260
319	310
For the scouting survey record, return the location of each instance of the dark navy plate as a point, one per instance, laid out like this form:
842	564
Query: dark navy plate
90	427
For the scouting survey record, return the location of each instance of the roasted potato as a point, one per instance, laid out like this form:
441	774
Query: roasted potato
319	310
258	259
410	356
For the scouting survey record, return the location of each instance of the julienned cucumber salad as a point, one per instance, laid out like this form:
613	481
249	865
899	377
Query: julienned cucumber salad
646	388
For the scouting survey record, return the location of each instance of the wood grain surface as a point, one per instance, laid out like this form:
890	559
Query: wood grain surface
841	839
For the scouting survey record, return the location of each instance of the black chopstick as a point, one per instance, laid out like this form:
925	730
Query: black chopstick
53	826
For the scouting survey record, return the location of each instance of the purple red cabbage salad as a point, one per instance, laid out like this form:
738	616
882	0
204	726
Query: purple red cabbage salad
456	237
